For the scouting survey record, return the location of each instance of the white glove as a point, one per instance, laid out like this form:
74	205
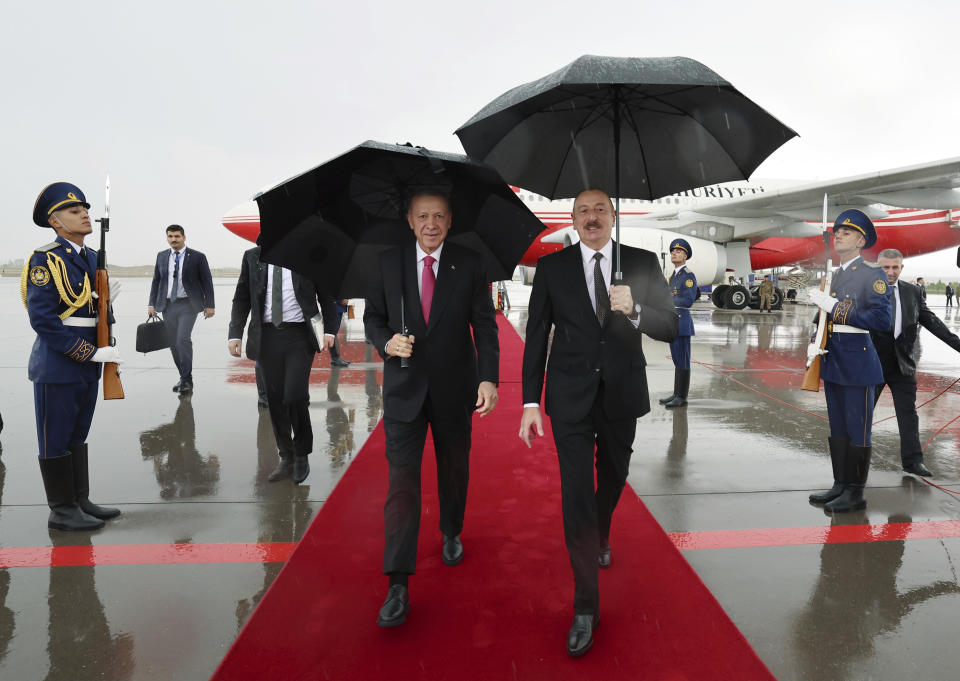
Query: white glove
822	299
813	350
107	354
115	287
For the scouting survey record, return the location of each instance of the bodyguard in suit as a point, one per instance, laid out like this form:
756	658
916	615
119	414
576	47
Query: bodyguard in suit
65	361
182	288
683	288
898	349
431	306
858	304
280	304
596	384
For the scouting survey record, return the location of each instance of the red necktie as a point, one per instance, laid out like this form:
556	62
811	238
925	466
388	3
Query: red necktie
426	287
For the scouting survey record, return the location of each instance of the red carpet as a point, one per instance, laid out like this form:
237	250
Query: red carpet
503	613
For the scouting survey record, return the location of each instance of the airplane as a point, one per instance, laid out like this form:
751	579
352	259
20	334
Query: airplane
736	228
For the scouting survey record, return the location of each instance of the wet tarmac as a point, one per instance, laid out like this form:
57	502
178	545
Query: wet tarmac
742	457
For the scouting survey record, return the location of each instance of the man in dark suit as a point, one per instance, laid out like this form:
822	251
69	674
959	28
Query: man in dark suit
898	351
429	297
182	288
281	339
596	383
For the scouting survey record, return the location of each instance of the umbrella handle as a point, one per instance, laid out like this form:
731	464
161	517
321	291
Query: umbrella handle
404	361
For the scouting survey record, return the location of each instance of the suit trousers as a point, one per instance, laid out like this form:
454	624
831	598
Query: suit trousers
179	318
404	451
850	408
606	444
904	392
64	413
286	355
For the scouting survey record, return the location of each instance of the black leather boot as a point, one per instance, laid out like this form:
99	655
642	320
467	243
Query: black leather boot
838	451
683	389
81	486
856	468
676	387
65	514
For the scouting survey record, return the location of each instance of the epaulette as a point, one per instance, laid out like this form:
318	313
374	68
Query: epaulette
871	264
49	247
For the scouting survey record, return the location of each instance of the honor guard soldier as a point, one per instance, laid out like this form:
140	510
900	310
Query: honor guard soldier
858	302
683	287
65	363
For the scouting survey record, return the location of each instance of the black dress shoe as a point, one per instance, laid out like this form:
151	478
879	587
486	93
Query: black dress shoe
185	387
283	471
604	560
917	468
452	550
301	468
394	610
339	362
176	388
580	638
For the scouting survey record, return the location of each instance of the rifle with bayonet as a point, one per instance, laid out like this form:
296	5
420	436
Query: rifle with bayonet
112	388
811	379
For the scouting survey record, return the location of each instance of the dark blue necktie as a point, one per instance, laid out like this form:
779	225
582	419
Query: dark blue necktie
176	275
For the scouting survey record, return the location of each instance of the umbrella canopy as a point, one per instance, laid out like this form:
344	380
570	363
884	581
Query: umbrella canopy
637	128
331	222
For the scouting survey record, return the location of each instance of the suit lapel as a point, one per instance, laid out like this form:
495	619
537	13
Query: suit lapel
581	296
447	275
411	291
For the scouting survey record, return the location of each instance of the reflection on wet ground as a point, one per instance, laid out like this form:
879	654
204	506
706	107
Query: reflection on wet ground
743	456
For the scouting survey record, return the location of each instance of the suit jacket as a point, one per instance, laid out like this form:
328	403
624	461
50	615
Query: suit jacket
901	354
583	352
195	274
448	361
250	298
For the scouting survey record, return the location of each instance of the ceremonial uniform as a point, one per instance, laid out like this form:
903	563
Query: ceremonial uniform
683	288
850	367
57	289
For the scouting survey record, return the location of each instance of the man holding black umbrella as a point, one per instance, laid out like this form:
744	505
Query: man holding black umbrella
428	297
596	384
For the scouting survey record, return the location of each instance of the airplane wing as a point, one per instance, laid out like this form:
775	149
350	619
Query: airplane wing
786	212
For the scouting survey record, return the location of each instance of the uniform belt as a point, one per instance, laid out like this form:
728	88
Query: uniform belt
80	321
843	328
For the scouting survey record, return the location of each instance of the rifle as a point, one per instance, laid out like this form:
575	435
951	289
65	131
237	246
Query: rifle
811	379
112	388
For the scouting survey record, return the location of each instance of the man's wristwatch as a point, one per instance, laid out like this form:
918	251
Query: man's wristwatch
636	311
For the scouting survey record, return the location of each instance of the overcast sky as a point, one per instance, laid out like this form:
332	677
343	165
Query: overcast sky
192	107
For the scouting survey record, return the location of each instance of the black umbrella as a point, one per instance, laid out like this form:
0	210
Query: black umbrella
637	128
331	222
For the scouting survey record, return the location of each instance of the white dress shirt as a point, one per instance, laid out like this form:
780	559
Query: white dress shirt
421	254
291	308
179	292
897	312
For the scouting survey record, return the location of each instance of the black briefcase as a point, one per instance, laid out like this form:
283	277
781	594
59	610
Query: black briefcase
152	335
